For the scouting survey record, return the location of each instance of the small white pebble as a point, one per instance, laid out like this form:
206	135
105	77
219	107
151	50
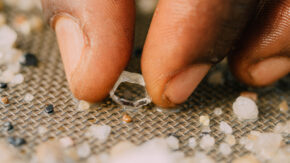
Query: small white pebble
83	150
100	132
42	130
83	105
245	108
17	79
192	142
204	120
28	97
172	142
66	142
207	142
225	149
218	111
225	128
230	139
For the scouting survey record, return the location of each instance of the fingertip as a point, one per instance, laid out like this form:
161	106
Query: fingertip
95	46
269	70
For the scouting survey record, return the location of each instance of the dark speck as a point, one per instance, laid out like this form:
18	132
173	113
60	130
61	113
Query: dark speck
8	126
30	60
49	109
3	85
16	141
19	142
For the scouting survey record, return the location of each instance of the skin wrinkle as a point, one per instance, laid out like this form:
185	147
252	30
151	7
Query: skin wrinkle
266	38
203	37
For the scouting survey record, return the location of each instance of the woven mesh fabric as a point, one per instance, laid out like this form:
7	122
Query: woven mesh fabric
48	85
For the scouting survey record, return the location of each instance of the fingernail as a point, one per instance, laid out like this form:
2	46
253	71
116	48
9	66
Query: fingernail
182	85
268	71
71	43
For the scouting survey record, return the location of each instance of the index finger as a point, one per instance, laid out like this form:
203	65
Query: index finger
95	39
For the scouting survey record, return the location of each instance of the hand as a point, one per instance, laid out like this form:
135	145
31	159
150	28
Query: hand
185	39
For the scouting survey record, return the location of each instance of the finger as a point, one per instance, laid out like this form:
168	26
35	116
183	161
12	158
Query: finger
264	54
95	39
185	38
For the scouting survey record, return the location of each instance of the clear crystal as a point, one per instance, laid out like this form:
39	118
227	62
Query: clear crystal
133	78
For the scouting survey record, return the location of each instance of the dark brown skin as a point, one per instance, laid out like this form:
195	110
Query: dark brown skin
185	39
